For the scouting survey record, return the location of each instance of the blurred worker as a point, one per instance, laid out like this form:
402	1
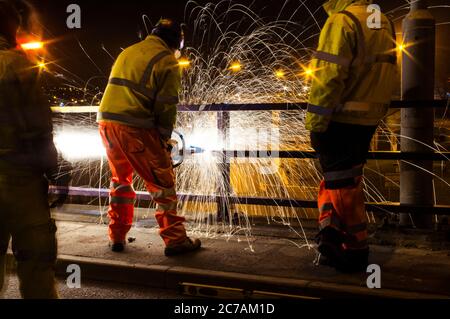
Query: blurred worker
355	75
28	161
137	115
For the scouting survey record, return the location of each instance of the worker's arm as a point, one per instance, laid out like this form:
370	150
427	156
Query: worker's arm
331	65
168	79
36	115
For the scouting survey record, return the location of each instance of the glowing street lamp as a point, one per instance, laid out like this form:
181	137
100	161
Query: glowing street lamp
401	47
280	73
41	65
309	72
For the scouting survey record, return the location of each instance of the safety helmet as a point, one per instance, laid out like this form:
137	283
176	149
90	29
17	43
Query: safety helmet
170	32
15	15
10	21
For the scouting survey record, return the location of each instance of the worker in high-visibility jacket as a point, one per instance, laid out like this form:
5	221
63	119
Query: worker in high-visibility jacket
351	88
136	118
28	162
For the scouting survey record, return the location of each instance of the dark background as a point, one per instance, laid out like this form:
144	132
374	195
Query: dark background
115	24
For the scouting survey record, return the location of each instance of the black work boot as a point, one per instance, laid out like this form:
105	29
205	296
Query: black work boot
187	246
329	241
118	247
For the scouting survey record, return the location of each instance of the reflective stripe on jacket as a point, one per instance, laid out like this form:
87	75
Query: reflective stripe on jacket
355	68
143	87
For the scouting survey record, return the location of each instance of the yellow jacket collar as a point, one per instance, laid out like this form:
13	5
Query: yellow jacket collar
152	37
335	6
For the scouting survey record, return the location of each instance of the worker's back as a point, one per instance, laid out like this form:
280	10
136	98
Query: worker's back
355	68
139	78
25	116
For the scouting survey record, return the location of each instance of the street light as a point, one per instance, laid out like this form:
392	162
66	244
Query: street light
280	73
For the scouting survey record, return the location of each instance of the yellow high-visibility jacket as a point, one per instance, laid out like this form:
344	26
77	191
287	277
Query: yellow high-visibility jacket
143	87
355	68
26	130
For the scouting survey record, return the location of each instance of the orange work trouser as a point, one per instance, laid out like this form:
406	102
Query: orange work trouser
134	149
342	151
344	210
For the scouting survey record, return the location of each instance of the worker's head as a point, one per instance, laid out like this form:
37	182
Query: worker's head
15	15
9	21
335	6
170	32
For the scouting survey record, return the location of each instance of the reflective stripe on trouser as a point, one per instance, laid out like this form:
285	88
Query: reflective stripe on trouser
344	209
141	150
121	209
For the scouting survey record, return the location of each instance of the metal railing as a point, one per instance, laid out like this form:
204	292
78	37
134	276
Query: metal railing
226	197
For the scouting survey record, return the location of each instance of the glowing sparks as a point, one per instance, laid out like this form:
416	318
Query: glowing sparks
36	45
235	67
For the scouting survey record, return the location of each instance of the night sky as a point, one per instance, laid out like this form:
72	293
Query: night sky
115	24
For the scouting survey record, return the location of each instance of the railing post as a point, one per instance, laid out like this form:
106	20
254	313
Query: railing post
223	205
417	124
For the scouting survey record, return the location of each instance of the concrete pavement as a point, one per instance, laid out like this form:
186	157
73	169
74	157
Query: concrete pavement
272	265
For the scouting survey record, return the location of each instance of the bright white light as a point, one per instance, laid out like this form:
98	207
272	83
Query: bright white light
79	145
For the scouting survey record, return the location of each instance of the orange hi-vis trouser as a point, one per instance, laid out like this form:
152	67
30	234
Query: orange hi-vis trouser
134	149
342	151
344	210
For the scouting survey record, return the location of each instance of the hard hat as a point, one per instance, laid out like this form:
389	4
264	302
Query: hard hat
10	21
15	15
171	32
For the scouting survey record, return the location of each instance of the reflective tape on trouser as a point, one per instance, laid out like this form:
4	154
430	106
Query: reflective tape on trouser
330	221
166	207
345	174
164	193
121	200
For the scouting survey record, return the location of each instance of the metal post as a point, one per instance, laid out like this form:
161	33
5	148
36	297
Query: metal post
223	205
417	124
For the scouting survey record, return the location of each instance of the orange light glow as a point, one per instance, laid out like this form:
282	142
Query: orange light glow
279	73
184	63
235	67
32	46
41	65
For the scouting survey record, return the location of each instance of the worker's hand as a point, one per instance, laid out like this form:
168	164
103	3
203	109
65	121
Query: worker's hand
60	177
59	201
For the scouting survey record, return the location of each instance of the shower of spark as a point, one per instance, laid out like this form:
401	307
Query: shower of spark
235	56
